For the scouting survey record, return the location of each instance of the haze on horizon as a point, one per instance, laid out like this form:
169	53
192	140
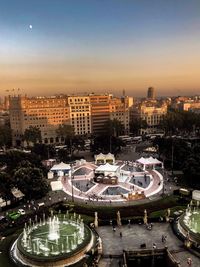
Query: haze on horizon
100	46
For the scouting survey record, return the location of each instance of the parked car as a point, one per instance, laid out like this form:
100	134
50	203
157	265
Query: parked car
14	215
22	211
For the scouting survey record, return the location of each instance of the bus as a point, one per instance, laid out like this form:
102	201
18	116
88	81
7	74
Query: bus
125	138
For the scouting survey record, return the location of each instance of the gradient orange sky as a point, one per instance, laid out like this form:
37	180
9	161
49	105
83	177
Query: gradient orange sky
104	46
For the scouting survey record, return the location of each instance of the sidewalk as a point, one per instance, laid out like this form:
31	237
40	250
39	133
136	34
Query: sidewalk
136	235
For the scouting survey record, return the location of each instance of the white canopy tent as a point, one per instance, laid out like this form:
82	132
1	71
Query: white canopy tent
107	169
104	158
61	169
149	162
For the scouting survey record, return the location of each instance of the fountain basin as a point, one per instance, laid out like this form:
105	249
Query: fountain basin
58	241
189	225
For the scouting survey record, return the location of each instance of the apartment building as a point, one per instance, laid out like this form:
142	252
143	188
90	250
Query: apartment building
119	109
80	114
47	113
86	113
151	112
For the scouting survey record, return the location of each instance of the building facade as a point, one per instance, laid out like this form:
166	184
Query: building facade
152	113
86	113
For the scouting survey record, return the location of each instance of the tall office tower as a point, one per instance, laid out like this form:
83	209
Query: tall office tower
151	93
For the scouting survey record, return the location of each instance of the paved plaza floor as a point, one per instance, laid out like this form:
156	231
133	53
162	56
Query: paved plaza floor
135	235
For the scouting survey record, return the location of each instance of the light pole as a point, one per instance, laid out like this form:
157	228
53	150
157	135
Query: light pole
172	163
72	178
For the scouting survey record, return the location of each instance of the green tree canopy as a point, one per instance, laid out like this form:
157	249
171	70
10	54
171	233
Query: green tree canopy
13	159
5	136
177	122
105	144
44	151
66	131
32	134
6	184
31	182
136	124
114	128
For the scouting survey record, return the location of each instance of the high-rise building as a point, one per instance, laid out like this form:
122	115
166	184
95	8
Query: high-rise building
100	111
151	93
80	114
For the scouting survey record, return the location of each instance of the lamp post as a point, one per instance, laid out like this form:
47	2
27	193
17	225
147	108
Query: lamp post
163	173
172	163
72	178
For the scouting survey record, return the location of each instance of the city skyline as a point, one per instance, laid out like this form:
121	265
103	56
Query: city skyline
53	47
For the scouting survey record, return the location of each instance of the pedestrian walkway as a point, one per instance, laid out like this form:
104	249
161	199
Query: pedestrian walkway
135	235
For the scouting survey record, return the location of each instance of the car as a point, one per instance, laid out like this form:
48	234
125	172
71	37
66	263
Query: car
14	215
22	211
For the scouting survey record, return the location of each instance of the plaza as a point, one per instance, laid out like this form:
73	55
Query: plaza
120	181
134	235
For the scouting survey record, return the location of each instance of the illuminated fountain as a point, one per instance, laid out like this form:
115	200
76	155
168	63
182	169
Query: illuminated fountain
189	223
54	239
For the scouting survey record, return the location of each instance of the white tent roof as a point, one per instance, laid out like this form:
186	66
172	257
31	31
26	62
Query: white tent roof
107	168
56	185
143	161
148	161
99	156
61	167
154	160
104	156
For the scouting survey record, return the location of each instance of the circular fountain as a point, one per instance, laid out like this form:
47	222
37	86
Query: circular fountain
59	240
189	223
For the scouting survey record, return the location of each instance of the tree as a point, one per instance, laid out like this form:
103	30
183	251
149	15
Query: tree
172	149
32	134
136	124
105	144
13	159
114	127
66	131
177	122
6	184
31	182
191	171
44	151
5	136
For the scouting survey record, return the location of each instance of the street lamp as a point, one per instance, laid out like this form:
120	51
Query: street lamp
72	178
172	163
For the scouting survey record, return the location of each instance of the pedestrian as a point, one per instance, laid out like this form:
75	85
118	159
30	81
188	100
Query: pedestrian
114	229
120	234
189	261
154	246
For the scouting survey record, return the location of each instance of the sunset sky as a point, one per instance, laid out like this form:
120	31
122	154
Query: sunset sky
100	46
